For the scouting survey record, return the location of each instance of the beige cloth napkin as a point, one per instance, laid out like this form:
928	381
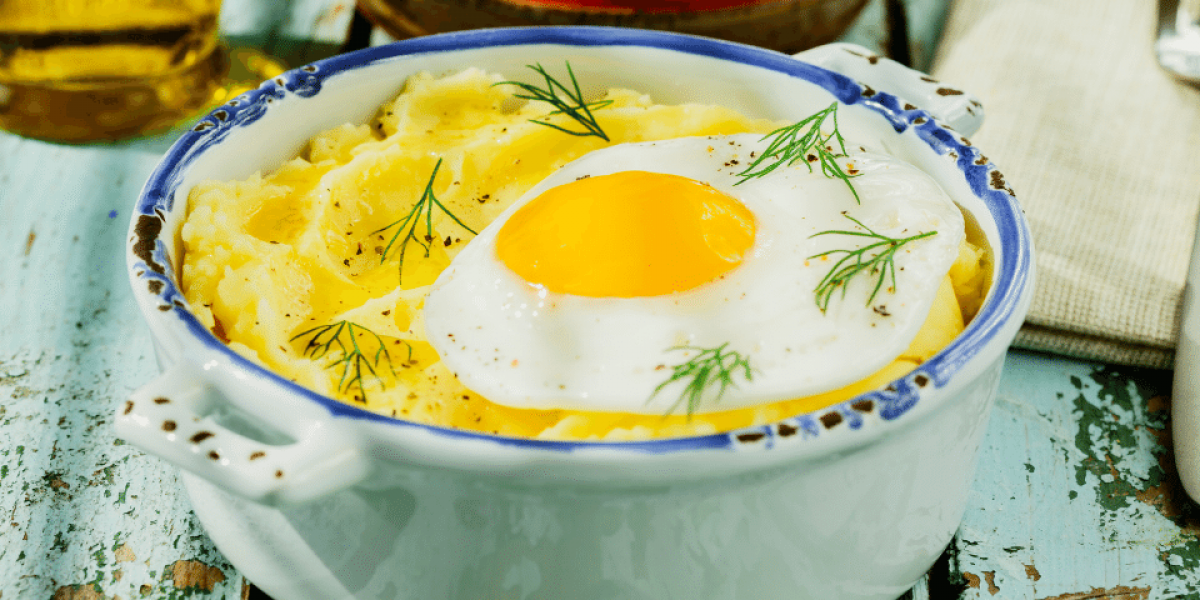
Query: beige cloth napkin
1103	150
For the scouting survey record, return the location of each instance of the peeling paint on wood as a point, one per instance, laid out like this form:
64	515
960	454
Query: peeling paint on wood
124	553
973	580
990	578
1076	494
1032	573
82	515
78	592
1117	593
87	517
194	574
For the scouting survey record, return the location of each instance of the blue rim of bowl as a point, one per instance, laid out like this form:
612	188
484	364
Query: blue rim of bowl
147	253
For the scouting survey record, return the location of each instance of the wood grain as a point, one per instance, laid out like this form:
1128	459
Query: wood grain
84	515
1076	494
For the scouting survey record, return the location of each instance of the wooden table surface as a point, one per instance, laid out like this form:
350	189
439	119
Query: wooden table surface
1075	495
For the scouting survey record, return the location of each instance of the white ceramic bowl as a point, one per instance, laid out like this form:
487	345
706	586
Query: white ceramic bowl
313	498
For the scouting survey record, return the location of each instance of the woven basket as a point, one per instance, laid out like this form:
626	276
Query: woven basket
784	25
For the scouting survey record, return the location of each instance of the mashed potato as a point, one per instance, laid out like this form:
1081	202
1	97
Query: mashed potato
292	268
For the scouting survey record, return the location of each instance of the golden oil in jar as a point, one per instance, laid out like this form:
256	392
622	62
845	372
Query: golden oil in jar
79	70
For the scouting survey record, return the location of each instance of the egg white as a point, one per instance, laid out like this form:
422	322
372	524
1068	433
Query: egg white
520	345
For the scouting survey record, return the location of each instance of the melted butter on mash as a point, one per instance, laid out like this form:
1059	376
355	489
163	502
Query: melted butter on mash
278	255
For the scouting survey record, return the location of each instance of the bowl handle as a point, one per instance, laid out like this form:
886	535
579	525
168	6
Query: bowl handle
951	106
165	418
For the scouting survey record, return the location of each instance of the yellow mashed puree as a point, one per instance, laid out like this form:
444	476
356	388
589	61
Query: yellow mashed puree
275	256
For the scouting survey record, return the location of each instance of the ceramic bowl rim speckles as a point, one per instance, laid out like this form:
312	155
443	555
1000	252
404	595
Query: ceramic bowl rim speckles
182	339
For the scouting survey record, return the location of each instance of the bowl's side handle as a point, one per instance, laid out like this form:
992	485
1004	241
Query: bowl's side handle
951	106
166	418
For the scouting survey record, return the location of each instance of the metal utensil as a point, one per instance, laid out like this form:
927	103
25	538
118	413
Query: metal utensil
1178	42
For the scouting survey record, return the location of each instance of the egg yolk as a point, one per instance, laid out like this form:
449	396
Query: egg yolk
625	235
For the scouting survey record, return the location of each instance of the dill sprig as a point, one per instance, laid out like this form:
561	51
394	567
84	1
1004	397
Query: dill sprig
804	141
343	339
712	366
877	258
571	105
407	225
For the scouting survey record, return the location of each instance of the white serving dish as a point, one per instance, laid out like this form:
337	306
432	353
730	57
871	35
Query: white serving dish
312	498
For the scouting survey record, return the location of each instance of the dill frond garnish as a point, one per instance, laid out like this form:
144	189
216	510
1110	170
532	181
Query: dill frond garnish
407	225
712	366
571	105
877	258
350	344
804	141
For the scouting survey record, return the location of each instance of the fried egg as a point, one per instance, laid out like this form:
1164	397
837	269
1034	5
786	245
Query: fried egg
589	290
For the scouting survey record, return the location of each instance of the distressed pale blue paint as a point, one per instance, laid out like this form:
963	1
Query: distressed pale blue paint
77	504
1071	494
80	511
